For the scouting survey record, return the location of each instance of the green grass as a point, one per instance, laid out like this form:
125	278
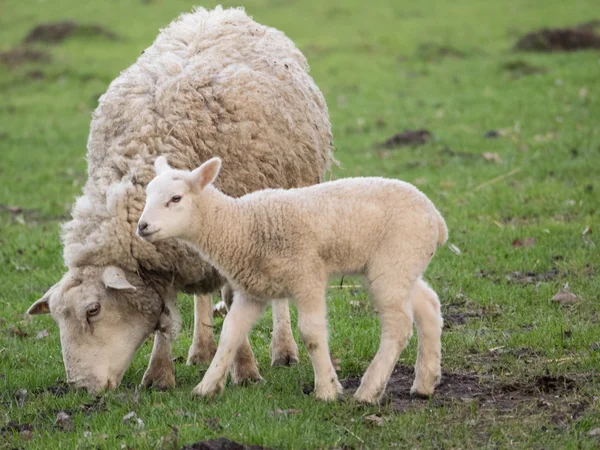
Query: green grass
381	69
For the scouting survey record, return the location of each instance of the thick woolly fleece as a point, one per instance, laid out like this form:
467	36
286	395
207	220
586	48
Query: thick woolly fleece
214	83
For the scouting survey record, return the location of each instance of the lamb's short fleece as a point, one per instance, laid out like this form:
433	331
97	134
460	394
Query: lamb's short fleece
280	243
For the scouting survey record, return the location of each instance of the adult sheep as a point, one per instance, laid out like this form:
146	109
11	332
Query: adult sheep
214	83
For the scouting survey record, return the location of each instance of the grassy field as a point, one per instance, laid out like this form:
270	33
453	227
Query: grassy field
520	370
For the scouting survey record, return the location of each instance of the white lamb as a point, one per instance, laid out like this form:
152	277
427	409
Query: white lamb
278	243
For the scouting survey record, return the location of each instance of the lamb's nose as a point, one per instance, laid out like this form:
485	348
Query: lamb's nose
142	226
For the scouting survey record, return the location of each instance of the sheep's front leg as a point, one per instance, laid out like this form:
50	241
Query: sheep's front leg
284	350
239	321
312	323
160	373
203	346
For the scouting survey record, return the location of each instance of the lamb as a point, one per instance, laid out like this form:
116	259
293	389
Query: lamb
214	82
278	243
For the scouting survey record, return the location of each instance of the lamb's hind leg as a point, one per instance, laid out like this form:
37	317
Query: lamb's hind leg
284	350
428	317
312	323
244	369
243	314
203	346
391	297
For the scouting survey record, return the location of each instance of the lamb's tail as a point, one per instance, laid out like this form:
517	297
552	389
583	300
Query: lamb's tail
442	228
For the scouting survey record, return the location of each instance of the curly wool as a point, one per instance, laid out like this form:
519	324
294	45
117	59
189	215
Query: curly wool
214	83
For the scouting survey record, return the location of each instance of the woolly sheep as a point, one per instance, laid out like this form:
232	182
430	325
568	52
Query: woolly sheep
213	83
279	243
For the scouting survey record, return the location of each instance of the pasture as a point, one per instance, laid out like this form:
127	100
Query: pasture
509	151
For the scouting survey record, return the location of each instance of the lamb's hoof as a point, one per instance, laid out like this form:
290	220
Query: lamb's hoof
421	391
282	357
330	392
209	388
424	387
161	379
369	398
201	354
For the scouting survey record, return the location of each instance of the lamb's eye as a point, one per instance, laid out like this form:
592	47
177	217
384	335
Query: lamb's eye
93	310
175	198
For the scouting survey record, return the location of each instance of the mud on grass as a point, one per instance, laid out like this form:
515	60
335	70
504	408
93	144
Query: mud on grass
484	392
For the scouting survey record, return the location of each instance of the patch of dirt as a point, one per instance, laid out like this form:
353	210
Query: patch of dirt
22	55
469	387
29	216
58	389
406	138
13	427
430	51
579	37
448	151
221	444
55	32
35	75
532	277
459	311
520	68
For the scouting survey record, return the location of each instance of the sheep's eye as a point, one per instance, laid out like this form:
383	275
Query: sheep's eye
176	198
93	310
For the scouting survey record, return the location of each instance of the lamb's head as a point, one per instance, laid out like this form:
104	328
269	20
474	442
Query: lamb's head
104	315
171	197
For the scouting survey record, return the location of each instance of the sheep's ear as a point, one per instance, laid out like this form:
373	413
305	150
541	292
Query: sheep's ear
42	306
160	165
114	277
206	173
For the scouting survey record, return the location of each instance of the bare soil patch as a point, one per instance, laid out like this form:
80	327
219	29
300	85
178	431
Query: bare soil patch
467	387
570	39
56	32
22	55
460	310
532	277
221	444
518	69
407	138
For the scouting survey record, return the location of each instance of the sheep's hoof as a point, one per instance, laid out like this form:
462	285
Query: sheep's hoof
201	354
160	379
282	357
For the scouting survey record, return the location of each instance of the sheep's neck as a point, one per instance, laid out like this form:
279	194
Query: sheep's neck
222	229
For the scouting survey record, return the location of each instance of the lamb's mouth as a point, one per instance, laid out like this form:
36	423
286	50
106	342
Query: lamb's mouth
144	235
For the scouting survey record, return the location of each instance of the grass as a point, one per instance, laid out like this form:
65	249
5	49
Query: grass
384	67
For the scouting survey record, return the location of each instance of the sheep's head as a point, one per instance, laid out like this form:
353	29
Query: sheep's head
104	314
170	199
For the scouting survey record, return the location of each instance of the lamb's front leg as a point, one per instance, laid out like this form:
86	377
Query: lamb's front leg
284	350
203	346
244	370
160	373
312	323
239	321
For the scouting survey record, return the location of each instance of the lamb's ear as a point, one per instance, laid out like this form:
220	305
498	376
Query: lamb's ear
206	173
114	277
160	165
42	306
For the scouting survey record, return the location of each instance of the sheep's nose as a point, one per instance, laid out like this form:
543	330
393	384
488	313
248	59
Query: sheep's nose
142	226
